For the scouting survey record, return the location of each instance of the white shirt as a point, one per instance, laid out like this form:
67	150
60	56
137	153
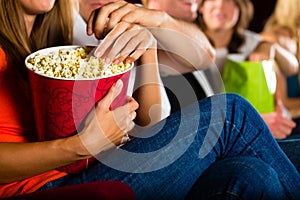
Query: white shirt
80	36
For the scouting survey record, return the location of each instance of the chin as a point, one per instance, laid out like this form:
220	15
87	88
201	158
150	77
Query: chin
47	5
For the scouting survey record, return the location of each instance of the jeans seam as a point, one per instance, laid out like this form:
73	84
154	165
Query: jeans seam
237	131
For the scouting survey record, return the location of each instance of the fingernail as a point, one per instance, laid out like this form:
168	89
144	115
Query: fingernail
98	53
116	61
89	31
129	60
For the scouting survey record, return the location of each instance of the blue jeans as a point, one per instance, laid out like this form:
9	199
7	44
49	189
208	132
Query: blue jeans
238	178
167	159
291	147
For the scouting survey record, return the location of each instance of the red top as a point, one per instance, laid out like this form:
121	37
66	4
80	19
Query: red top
17	125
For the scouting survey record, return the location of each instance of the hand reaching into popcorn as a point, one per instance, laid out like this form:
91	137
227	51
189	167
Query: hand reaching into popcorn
125	42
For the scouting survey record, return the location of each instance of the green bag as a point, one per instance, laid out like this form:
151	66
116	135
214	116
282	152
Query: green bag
255	81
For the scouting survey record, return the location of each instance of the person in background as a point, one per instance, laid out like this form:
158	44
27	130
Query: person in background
282	27
225	23
163	162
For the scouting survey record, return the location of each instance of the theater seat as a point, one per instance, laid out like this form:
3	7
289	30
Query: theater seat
104	190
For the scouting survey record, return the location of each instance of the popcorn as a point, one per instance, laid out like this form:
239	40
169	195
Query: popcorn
73	64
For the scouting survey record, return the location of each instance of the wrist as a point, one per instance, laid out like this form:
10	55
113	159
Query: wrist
92	141
76	148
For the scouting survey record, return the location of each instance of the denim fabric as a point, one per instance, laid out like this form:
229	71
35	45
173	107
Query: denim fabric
291	147
167	159
238	178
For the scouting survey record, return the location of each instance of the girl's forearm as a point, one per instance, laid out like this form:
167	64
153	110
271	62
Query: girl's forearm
23	160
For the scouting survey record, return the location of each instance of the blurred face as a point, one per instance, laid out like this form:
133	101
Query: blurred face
182	9
219	14
87	6
34	7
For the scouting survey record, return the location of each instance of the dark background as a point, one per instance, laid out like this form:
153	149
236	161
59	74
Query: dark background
262	10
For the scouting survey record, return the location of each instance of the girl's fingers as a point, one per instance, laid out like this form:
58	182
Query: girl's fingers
125	40
125	116
132	115
132	105
129	127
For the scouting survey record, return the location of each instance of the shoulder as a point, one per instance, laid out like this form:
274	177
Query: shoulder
284	31
281	31
252	40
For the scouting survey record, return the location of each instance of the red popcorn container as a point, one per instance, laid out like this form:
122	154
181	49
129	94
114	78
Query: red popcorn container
61	104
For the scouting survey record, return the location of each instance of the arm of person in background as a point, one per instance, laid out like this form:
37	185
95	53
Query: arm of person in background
286	61
183	40
291	103
282	36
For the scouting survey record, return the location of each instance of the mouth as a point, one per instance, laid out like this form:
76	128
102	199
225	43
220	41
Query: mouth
220	16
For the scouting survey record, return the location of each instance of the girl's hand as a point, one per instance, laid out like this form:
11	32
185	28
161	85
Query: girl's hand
104	129
123	40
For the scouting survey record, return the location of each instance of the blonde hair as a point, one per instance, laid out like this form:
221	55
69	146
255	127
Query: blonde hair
286	14
50	29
